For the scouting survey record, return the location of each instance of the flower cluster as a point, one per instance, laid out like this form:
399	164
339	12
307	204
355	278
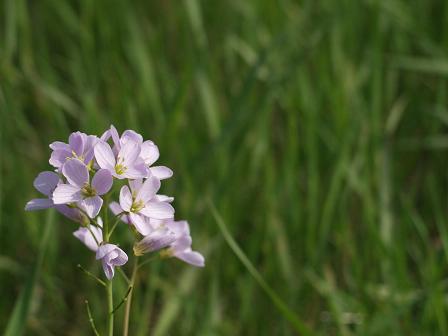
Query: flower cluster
85	170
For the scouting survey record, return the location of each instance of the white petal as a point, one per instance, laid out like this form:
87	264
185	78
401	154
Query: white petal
104	156
161	172
39	204
158	210
66	193
125	198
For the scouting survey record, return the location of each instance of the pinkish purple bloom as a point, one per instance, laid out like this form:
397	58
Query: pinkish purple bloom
46	182
127	164
149	152
175	237
80	190
140	203
111	255
181	248
85	168
80	146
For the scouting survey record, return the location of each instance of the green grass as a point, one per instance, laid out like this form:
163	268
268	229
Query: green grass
318	130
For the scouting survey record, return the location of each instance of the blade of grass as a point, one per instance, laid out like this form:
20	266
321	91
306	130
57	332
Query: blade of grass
19	317
295	321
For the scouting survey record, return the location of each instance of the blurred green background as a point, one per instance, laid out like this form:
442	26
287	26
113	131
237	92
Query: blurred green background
318	130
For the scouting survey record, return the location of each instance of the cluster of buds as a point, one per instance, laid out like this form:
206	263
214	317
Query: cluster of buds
85	170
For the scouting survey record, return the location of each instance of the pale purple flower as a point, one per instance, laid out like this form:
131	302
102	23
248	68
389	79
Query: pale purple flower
181	248
86	236
111	255
127	164
150	223
175	237
80	190
140	203
149	152
46	182
80	146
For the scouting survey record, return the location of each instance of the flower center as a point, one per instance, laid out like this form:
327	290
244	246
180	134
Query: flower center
88	191
120	169
137	206
81	157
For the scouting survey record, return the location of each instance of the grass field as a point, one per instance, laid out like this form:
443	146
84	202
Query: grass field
309	137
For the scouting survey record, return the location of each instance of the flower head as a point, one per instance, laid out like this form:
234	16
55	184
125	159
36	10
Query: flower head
46	182
84	171
79	189
141	205
111	255
80	146
149	152
126	164
174	237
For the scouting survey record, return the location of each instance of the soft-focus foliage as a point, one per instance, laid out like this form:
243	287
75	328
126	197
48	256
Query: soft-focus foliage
317	129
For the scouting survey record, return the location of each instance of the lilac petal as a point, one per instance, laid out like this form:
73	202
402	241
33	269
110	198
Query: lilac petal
161	172
136	172
72	213
108	270
76	142
39	204
115	136
141	223
158	210
104	250
183	243
102	181
120	259
125	199
149	152
163	198
148	189
76	172
59	145
155	241
89	145
104	156
105	136
180	228
66	193
59	156
85	236
135	185
92	205
192	258
46	182
130	135
116	209
129	152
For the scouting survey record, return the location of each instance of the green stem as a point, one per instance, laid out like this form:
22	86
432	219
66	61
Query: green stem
91	320
129	298
110	297
110	308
